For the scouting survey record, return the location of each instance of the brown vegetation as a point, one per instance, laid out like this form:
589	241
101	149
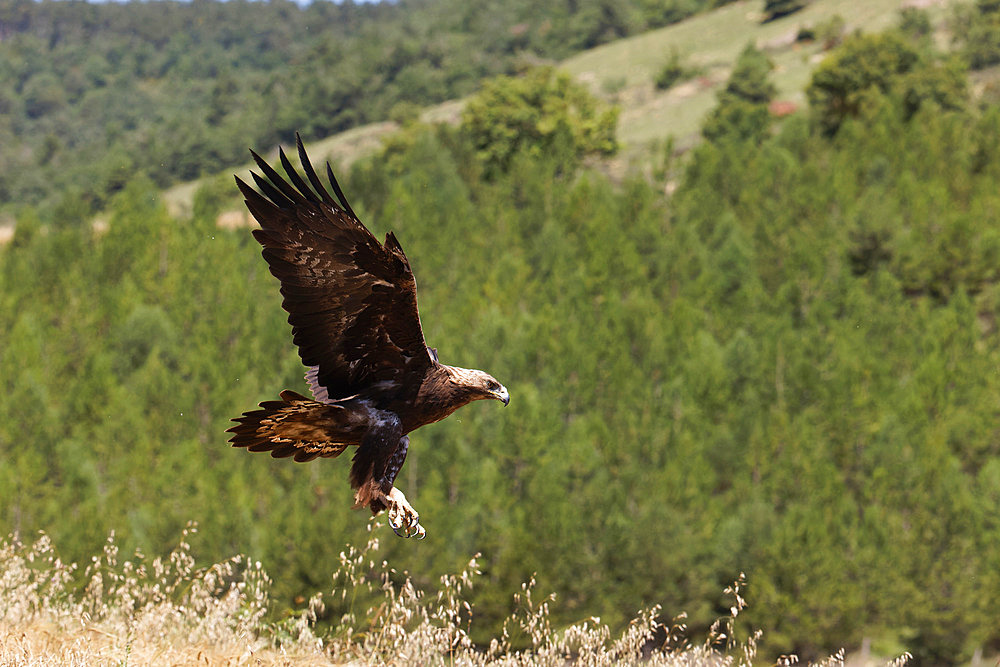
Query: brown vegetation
167	611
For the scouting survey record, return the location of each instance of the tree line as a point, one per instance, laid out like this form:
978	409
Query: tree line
92	94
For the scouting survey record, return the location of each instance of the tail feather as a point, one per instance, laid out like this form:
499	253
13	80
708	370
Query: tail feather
294	426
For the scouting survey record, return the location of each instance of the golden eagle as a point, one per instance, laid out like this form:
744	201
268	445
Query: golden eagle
352	304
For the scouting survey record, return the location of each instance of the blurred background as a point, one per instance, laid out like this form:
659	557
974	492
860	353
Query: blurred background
737	263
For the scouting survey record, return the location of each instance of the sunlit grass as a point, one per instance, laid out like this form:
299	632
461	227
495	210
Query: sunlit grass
711	42
168	611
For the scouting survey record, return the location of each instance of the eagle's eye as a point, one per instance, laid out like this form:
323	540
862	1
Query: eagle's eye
492	386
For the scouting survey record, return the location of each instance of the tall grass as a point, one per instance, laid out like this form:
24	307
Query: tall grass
168	611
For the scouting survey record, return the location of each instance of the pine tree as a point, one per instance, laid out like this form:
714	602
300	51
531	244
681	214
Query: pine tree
742	111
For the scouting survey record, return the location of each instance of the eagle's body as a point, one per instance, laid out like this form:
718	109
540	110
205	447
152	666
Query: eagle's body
352	304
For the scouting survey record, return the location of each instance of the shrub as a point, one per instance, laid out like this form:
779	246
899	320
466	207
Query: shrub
540	112
672	72
775	9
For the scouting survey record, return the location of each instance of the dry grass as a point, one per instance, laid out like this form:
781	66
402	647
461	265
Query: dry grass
167	611
162	612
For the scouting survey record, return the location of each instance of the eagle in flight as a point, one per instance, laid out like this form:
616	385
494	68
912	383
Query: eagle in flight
352	304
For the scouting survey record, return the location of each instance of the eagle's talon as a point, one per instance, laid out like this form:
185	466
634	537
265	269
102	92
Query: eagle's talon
403	519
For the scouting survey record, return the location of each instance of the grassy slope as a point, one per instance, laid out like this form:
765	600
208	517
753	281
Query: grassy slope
712	42
623	71
340	149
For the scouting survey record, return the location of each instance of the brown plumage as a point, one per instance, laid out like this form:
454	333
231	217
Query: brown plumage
352	304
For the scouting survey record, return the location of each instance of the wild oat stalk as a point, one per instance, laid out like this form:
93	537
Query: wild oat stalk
168	610
132	609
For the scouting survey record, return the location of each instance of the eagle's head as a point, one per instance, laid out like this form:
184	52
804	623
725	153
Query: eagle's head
477	385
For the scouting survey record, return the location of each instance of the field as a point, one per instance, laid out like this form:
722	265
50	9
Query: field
166	611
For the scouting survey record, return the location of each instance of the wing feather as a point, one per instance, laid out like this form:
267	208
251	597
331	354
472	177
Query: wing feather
313	177
297	181
271	192
277	181
351	300
338	191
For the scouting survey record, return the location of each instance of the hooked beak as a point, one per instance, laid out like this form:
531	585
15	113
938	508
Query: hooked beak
502	395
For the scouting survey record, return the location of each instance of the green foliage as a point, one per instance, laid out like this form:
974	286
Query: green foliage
146	331
864	65
938	85
977	32
748	80
541	112
211	197
405	113
830	32
859	74
915	22
657	13
672	72
92	93
742	112
907	191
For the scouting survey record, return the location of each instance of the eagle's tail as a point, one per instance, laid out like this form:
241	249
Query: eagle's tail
294	426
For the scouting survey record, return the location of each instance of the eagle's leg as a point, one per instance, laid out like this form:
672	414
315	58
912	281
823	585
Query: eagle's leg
401	514
376	464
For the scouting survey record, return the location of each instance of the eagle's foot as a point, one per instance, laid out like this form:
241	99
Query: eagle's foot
403	519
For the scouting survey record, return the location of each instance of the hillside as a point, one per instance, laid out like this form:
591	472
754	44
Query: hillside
91	94
711	42
622	72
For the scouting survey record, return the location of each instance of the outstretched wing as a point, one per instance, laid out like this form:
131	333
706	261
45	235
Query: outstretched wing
351	301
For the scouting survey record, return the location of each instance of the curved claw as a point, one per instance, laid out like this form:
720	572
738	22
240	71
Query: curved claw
403	519
408	531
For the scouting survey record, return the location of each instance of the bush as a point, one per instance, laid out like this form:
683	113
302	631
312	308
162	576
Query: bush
864	63
775	9
541	112
672	72
977	32
867	68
